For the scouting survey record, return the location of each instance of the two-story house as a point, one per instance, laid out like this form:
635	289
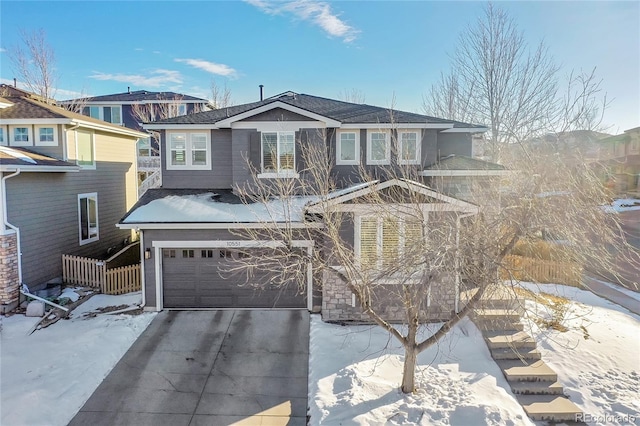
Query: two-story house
132	108
619	158
188	226
66	180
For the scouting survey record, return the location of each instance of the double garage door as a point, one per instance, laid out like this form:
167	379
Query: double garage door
200	278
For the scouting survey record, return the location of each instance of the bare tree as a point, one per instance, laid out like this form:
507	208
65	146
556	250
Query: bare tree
497	80
220	96
354	96
417	247
34	62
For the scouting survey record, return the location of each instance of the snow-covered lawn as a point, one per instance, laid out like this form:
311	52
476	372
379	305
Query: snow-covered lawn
355	371
47	376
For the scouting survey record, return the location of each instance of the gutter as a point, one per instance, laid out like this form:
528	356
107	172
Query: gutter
3	192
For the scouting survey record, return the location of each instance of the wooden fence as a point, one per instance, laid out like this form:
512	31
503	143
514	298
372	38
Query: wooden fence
541	271
95	273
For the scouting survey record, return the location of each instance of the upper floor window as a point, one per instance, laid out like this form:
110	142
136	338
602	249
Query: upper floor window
144	147
378	147
21	136
85	149
2	138
188	151
348	148
278	152
46	136
409	147
88	217
110	114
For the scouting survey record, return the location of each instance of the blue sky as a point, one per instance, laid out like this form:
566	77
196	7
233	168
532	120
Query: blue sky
380	48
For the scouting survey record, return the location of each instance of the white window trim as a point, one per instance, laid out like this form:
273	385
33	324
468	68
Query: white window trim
188	151
101	112
379	237
13	142
36	136
416	160
278	173
90	195
339	161
387	160
91	166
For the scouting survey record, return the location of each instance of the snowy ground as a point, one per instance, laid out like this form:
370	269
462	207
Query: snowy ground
47	376
355	371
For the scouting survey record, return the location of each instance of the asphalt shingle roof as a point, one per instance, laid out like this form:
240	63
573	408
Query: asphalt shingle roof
8	158
141	95
345	112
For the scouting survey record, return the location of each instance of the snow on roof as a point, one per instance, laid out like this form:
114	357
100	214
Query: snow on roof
17	154
205	208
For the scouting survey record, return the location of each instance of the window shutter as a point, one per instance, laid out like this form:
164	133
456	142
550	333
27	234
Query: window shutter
254	150
368	242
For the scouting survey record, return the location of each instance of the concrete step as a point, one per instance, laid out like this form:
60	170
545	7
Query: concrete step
501	303
496	314
506	339
536	388
495	325
549	408
536	371
515	354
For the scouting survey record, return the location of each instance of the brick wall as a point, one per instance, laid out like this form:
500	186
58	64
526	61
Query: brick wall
9	285
337	302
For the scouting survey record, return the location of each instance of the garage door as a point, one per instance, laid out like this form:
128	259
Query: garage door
196	278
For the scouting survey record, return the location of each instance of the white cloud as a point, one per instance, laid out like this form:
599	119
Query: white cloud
210	67
317	12
158	78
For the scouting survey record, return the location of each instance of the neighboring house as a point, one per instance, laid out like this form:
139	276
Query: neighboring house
66	180
130	109
619	162
188	227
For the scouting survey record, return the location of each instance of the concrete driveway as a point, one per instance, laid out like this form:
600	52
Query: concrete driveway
209	368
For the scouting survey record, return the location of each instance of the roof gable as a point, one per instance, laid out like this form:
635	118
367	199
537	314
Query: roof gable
349	195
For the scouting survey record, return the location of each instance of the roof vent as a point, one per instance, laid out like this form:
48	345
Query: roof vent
261	87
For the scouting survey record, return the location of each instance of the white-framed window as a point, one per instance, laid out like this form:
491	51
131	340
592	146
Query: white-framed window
20	136
46	136
347	147
85	149
88	217
110	114
3	139
409	143
378	147
189	150
278	153
382	241
144	147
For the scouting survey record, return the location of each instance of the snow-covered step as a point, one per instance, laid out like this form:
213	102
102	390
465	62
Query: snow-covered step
549	408
514	353
493	314
537	371
506	339
536	388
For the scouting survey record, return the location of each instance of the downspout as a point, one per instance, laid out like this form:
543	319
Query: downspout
3	198
457	282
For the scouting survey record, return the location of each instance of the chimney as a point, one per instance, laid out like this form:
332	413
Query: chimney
129	89
261	86
15	82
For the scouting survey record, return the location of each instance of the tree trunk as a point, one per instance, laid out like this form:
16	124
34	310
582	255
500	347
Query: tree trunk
410	358
409	371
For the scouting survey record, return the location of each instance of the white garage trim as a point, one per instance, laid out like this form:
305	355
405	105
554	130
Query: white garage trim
160	245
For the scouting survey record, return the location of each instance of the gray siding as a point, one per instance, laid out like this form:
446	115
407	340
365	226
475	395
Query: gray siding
454	143
240	140
45	208
219	177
